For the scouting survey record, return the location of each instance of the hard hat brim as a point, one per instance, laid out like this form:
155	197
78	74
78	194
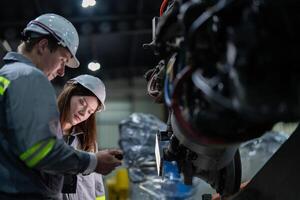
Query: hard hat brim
102	108
73	62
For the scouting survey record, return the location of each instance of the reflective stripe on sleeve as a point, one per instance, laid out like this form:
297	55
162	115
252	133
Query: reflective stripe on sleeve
4	83
37	152
100	197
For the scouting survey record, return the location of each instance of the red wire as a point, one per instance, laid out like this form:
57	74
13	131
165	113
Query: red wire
162	7
188	129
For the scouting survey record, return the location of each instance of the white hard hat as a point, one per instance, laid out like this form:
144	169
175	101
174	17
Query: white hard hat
61	29
93	84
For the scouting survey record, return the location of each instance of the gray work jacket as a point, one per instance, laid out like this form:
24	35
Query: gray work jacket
33	155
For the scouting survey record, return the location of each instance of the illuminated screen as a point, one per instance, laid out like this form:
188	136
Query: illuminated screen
158	156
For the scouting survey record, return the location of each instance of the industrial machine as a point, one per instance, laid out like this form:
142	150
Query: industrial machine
228	71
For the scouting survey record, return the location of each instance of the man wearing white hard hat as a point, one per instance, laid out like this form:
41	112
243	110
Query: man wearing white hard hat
33	156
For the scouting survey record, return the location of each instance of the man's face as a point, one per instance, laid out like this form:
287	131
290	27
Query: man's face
52	63
56	62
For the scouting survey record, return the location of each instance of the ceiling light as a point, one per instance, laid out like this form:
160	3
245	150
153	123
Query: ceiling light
87	3
94	66
84	4
92	2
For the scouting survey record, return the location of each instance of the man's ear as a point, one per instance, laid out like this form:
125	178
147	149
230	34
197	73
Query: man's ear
42	45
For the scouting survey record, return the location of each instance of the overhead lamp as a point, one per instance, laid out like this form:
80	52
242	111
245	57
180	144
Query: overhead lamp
94	66
88	3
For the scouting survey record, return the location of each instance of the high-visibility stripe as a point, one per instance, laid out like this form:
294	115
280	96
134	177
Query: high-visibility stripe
31	151
100	198
2	90
4	84
42	154
37	152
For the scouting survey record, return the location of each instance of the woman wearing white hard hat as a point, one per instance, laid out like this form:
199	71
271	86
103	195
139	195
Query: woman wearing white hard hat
78	103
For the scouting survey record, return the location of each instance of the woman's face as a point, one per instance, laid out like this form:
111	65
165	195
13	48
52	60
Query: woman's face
81	108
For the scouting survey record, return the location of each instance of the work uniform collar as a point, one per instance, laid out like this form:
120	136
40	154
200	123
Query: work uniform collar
71	137
75	132
16	57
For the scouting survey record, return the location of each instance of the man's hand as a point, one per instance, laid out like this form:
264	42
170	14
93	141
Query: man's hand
107	161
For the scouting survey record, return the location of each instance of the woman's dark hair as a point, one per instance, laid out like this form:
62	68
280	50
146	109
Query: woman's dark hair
88	139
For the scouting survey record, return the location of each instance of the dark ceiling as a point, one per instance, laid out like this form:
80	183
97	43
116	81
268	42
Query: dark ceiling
111	33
